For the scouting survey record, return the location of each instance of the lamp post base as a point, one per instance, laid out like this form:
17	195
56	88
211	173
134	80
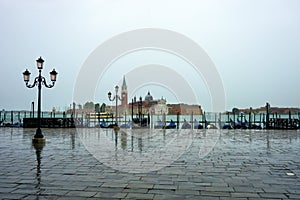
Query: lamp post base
38	137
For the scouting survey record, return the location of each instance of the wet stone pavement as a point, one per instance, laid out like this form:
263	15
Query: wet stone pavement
150	164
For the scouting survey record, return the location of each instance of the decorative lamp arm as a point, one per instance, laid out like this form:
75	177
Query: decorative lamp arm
112	99
33	84
121	99
47	85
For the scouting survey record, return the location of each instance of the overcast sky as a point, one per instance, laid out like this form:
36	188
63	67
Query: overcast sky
254	46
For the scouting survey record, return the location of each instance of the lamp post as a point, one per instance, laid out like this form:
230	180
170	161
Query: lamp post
250	111
39	81
140	110
133	107
267	115
116	97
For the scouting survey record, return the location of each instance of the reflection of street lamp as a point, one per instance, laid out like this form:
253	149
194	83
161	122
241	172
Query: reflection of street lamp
38	150
39	81
116	97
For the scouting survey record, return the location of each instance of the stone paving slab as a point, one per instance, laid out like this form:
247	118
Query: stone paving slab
239	164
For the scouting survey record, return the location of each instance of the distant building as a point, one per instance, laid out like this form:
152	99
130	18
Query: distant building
151	105
273	110
156	107
161	107
184	109
124	94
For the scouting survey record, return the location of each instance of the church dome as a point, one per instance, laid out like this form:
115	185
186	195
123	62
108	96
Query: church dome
148	97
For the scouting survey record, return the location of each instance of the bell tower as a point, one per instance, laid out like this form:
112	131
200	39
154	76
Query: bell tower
124	93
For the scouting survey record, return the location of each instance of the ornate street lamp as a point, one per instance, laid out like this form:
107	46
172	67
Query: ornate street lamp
39	81
116	97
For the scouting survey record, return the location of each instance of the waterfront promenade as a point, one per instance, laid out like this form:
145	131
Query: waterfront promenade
150	164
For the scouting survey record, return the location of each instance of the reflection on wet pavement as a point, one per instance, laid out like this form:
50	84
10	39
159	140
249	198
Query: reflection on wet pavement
151	164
